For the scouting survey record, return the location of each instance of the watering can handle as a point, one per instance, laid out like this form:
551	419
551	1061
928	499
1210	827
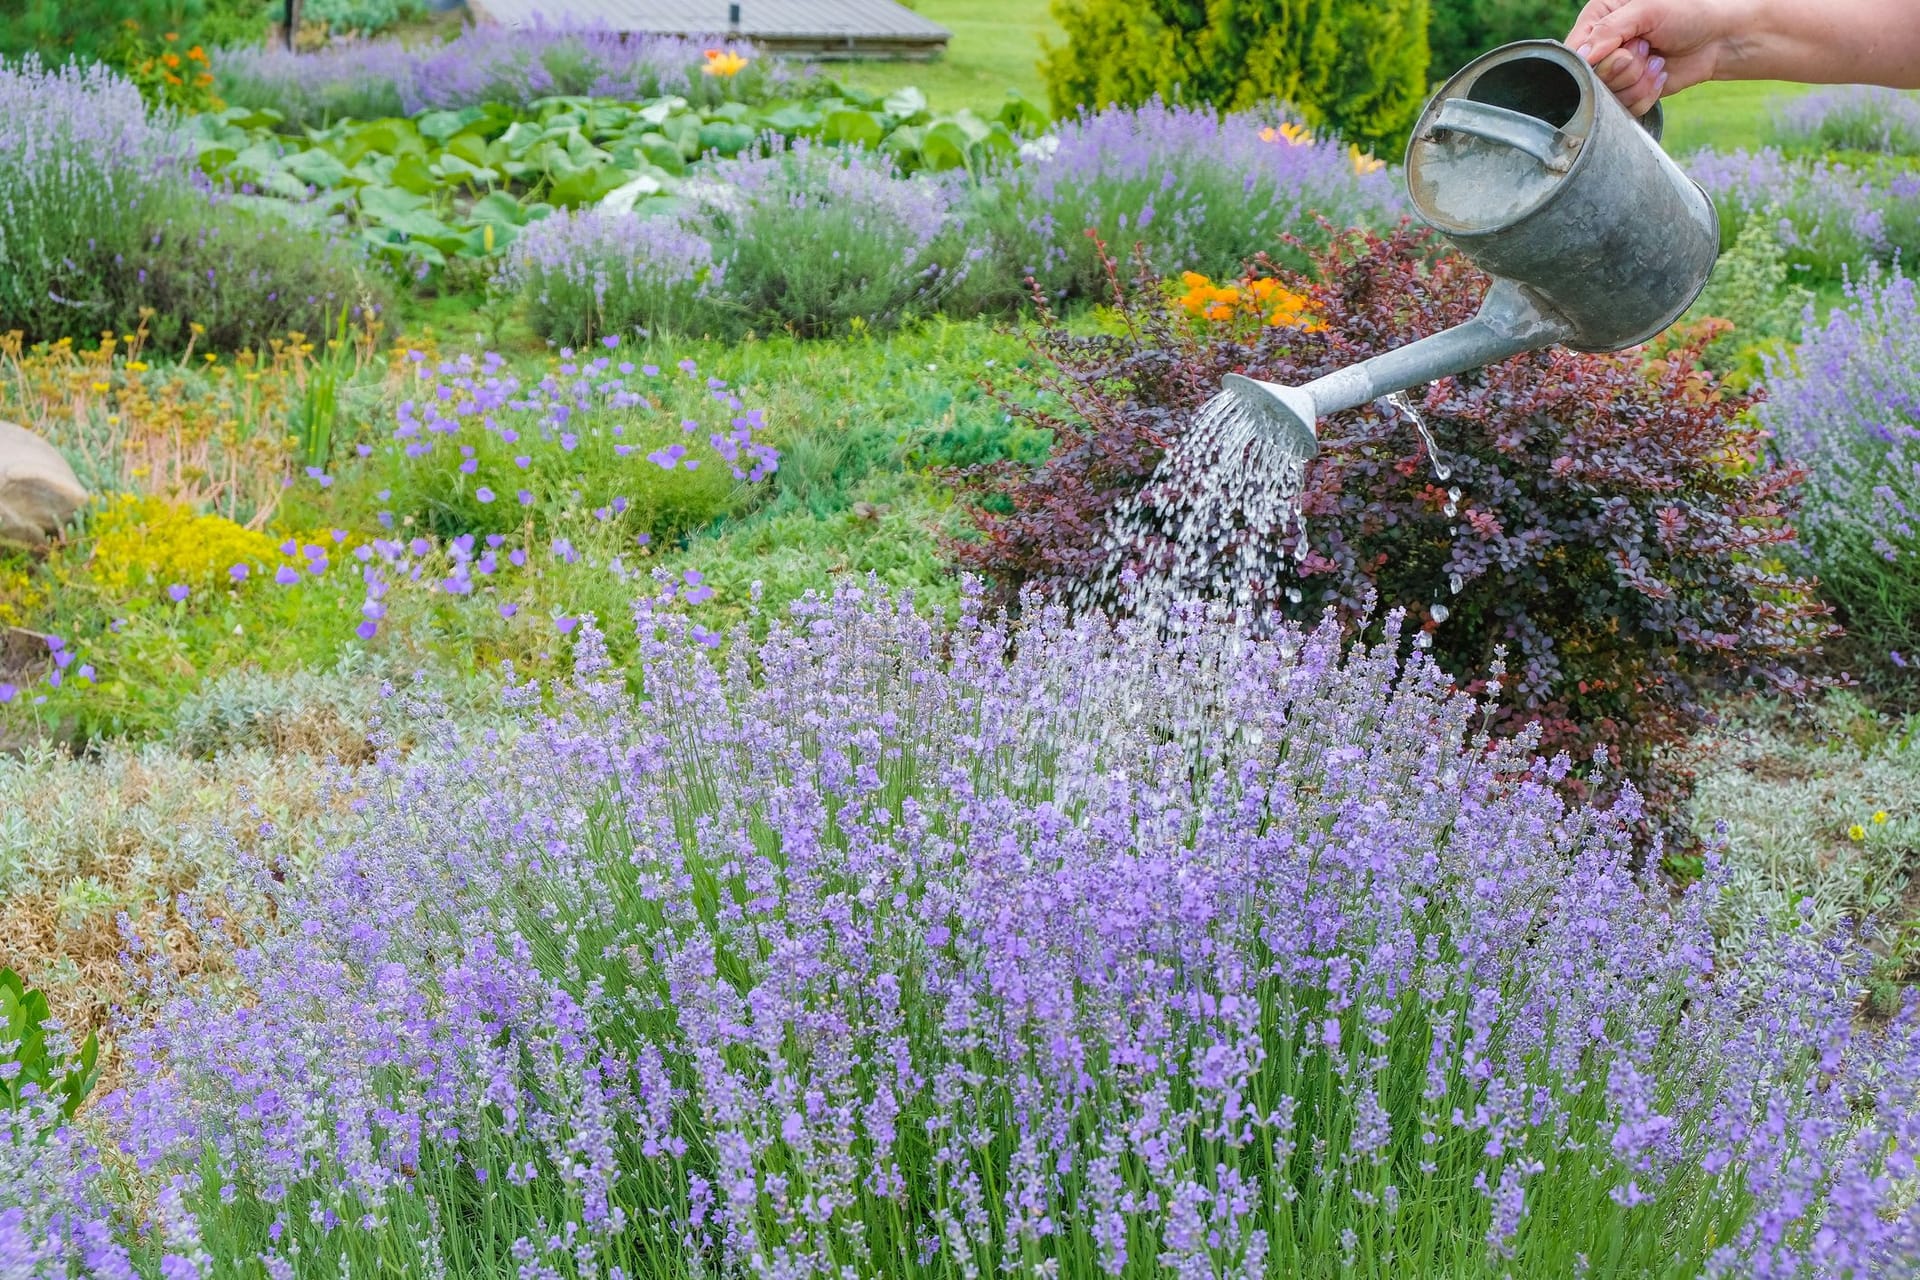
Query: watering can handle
1515	129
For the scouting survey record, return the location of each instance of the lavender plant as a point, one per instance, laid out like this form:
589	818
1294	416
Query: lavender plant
1847	401
1850	118
84	174
105	219
587	273
821	237
808	239
893	949
517	66
1829	215
1197	191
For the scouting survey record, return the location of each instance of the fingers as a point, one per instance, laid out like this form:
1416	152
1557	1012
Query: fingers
1590	16
1625	67
1623	24
1639	97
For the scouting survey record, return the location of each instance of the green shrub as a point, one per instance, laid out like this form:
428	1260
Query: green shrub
1752	289
1462	30
1357	68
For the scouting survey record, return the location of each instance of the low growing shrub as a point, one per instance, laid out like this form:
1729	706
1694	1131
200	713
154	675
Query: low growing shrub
1003	950
1848	402
1606	524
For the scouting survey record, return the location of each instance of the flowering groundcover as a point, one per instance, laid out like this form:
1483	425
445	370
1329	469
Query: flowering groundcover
888	948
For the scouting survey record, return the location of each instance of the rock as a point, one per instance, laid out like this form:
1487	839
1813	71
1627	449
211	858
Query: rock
38	490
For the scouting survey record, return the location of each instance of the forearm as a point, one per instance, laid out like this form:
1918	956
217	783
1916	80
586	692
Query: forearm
1823	42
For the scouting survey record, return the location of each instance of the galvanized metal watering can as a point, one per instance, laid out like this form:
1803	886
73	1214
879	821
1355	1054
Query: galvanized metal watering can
1530	167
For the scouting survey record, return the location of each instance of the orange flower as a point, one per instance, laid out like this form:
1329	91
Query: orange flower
197	54
1291	134
722	62
171	59
171	36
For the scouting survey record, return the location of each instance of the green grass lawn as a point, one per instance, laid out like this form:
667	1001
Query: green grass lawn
996	47
1724	115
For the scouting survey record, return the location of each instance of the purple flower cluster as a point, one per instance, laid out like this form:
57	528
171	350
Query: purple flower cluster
483	64
1851	118
893	948
1847	402
1828	215
1197	191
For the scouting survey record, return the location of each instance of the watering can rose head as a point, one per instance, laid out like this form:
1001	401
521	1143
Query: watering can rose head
1531	168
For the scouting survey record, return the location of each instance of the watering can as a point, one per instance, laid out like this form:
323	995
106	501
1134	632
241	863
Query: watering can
1527	164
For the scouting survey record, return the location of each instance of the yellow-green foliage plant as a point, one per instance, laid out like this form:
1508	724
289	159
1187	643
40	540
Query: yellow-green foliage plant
1357	67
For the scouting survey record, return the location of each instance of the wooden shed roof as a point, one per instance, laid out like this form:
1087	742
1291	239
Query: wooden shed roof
817	28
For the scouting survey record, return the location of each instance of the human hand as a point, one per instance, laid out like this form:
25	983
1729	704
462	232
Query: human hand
1642	49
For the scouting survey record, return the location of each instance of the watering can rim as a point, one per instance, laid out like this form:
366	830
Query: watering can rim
1591	87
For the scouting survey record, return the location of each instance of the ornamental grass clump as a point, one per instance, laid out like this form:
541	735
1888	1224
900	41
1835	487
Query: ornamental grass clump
1197	191
1848	402
888	948
1607	523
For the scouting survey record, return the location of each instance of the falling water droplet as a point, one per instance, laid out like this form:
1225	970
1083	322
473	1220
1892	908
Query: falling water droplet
1455	581
1441	470
1440	612
1453	494
1452	508
1294	595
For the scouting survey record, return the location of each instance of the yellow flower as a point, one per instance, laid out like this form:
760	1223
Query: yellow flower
99	386
150	538
1364	161
1856	832
1879	817
724	62
136	366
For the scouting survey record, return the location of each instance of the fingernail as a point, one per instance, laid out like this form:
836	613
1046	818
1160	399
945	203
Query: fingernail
1656	64
1583	51
1660	85
1642	47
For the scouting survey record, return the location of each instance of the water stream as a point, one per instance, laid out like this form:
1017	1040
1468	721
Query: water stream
1219	520
1213	523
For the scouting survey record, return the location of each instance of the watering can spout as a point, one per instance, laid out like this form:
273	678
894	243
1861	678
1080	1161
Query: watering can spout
1527	165
1511	321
